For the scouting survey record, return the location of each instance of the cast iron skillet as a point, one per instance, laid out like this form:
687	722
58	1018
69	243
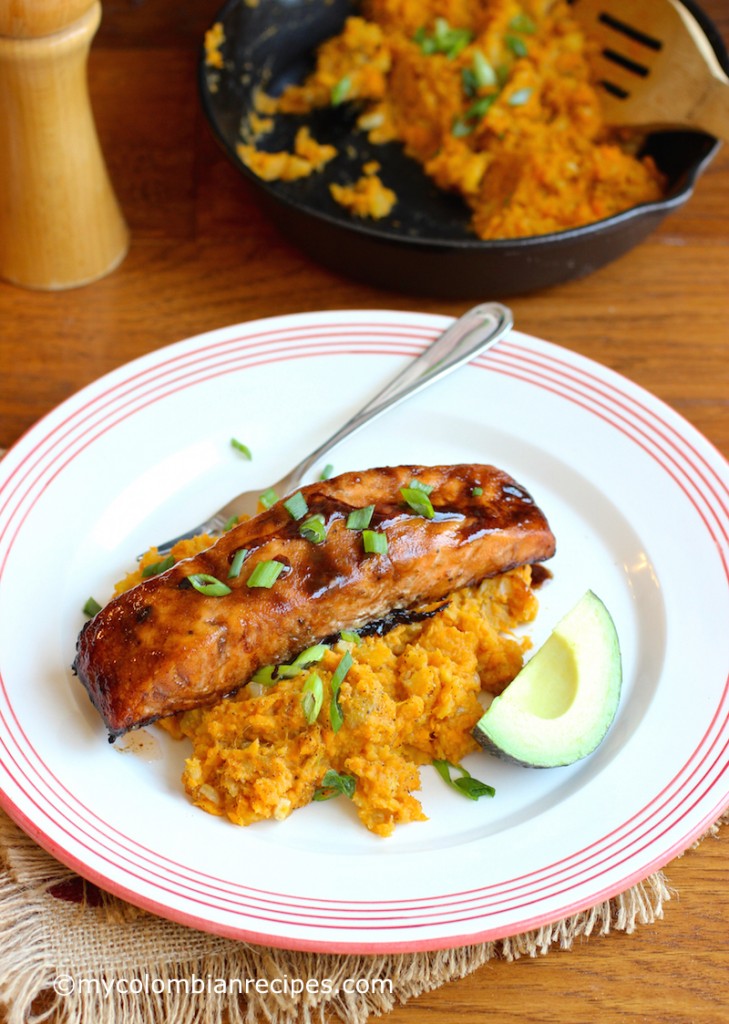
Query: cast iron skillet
424	247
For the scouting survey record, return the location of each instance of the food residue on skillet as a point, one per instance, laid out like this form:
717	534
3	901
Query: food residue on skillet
494	98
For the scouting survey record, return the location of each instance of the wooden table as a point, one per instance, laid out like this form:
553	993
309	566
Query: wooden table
203	256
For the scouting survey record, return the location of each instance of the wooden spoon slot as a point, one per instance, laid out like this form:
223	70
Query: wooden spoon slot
631	32
626	63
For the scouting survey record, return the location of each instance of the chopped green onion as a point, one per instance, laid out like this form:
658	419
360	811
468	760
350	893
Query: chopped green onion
517	46
268	498
296	506
155	568
350	638
360	518
483	71
341	670
91	607
208	585
335	711
460	128
312	697
230	523
519	98
266	675
424	41
314	529
477	492
418	501
465	124
235	565
326	472
443	39
523	23
265	574
466	785
481	107
459	40
270	674
240	447
334	784
418	485
340	91
374	543
502	73
468	81
450	40
304	660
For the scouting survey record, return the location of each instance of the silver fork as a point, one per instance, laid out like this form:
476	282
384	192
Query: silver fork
473	333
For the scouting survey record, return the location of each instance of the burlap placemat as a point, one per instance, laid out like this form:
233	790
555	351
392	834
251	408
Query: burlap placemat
81	956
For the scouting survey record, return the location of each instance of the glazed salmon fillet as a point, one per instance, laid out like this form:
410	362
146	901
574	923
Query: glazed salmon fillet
164	647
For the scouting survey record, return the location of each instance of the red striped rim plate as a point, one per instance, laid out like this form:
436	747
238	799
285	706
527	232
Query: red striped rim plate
638	500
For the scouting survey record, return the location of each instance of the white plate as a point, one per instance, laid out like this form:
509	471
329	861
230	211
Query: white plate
637	499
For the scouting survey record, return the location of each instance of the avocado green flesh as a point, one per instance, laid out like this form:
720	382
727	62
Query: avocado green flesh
560	706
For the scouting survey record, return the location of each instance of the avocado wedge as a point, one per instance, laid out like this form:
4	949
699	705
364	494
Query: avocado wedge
558	709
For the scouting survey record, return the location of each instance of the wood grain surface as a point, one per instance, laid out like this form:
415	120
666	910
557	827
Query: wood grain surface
203	255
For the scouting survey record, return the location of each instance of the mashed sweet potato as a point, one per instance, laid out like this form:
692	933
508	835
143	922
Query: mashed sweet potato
409	697
494	98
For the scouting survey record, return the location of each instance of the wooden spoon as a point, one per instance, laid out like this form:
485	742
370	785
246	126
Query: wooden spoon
656	67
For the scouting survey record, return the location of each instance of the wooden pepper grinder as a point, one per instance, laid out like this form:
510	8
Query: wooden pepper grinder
60	223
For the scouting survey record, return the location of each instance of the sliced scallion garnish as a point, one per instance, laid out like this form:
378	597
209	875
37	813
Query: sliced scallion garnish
374	543
523	23
308	657
340	91
520	97
443	39
312	697
360	518
350	638
314	529
268	498
230	523
155	568
296	506
418	501
265	574
91	607
465	124
466	785
460	128
477	492
480	107
240	447
326	472
483	71
517	46
235	566
266	676
418	485
208	585
335	711
335	784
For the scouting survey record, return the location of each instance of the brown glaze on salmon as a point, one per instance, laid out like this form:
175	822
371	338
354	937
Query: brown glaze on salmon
162	647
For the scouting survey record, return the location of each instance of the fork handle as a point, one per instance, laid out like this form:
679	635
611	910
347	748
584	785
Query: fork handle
473	333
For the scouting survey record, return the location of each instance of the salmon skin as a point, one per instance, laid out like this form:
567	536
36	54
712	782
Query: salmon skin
163	647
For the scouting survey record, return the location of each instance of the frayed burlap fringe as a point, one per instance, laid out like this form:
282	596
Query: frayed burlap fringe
129	967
